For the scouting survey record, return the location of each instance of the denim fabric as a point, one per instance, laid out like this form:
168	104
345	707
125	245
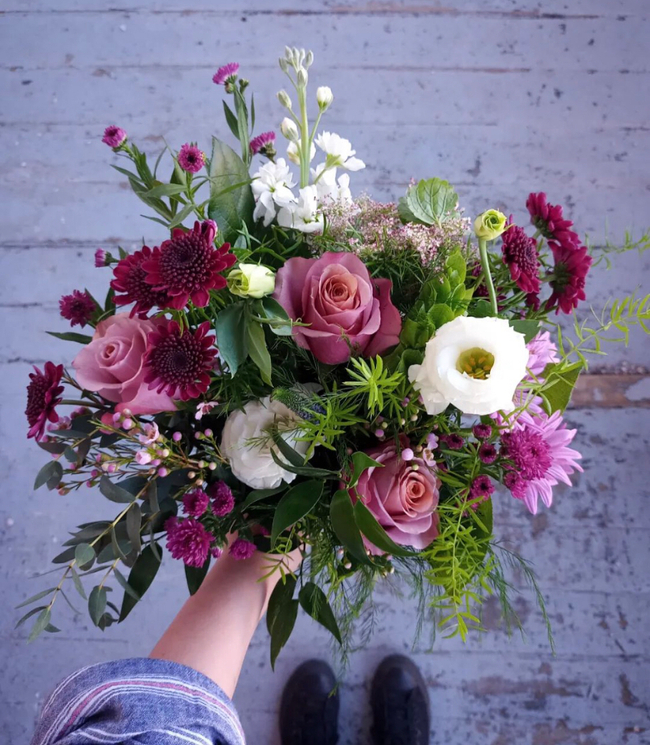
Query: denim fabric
144	701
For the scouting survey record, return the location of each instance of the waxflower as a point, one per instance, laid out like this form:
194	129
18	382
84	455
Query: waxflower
490	224
251	280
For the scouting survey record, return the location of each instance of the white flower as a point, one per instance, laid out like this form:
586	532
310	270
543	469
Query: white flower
293	152
272	189
251	280
339	151
250	463
324	97
329	189
474	364
304	215
289	129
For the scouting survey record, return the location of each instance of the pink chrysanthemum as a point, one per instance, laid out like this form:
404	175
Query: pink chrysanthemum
77	308
226	74
549	220
482	488
487	453
188	540
540	457
190	158
572	265
263	143
114	136
195	502
521	257
541	352
188	266
223	501
100	258
130	284
179	362
482	431
241	549
43	395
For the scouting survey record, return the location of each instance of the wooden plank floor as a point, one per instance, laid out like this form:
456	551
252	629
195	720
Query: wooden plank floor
500	97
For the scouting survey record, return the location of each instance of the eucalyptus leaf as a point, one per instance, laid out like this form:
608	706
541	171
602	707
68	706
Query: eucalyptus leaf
97	603
133	525
49	471
124	583
39	626
38	596
140	577
84	555
114	492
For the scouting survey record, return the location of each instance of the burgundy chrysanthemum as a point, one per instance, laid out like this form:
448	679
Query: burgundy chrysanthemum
260	144
568	279
223	501
130	281
43	395
487	453
550	221
482	488
520	256
226	73
114	136
195	502
188	266
188	540
190	158
453	441
241	549
482	431
77	308
179	362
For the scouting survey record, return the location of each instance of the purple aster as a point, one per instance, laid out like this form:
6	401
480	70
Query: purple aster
195	502
226	74
114	137
223	501
541	352
453	441
487	453
482	431
188	540
77	308
190	158
264	144
482	488
241	549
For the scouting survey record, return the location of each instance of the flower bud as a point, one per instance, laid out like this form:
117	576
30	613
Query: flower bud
289	129
309	59
302	77
251	280
283	98
490	224
324	96
284	65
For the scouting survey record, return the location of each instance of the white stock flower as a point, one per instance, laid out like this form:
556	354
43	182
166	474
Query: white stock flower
330	189
271	187
293	152
303	215
339	151
250	463
474	364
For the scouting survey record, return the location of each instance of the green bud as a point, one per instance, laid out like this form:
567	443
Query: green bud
302	77
251	280
490	224
289	129
283	98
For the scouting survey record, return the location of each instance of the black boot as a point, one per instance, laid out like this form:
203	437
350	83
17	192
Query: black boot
400	704
308	713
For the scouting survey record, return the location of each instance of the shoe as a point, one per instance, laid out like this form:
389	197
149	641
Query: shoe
400	704
309	710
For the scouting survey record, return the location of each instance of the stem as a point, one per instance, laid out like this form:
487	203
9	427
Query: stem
305	140
485	263
70	402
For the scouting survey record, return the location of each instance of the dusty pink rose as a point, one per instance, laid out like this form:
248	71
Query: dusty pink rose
342	305
403	500
111	365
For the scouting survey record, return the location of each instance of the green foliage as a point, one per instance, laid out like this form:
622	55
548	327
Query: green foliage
195	576
230	325
345	527
559	382
429	202
371	380
141	576
71	336
314	602
50	474
231	199
281	615
299	501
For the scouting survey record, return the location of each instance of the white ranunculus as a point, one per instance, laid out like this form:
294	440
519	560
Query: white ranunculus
271	186
474	364
339	151
303	215
250	463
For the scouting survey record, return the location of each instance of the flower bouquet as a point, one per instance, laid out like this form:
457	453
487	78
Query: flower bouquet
290	366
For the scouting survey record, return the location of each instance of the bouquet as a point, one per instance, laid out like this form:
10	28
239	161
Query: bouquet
290	366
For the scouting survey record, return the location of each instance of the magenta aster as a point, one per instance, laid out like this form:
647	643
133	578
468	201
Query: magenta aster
179	362
188	540
188	266
540	457
226	74
520	255
241	549
568	278
190	158
487	453
77	308
549	220
263	143
130	284
482	488
43	395
100	258
195	502
482	431
223	501
453	441
114	136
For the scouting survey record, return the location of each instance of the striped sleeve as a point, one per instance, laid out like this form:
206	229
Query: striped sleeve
142	700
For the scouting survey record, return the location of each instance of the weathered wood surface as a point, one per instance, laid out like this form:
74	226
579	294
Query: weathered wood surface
500	97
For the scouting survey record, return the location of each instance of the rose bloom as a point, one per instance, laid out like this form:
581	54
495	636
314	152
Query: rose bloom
111	365
403	500
343	306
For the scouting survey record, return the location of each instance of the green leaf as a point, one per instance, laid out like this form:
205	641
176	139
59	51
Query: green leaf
84	555
178	218
299	501
275	312
195	576
561	381
231	198
375	533
39	626
480	309
292	456
123	582
77	583
64	557
345	527
281	615
314	602
360	463
48	474
528	328
258	350
231	338
38	596
114	492
165	190
152	496
282	594
29	614
428	202
456	269
314	473
97	604
231	119
140	577
133	525
257	495
71	336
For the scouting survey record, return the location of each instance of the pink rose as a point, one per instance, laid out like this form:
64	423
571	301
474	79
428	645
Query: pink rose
111	365
343	306
402	500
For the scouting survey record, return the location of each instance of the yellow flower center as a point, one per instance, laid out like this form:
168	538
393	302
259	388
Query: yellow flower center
476	362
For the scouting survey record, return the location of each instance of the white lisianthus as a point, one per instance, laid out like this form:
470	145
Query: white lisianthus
303	215
339	151
271	187
331	189
293	152
474	364
251	463
251	280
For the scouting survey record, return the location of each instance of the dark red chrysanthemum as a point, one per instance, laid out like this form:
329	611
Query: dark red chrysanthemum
520	255
130	281
550	221
77	308
43	395
188	266
179	362
568	279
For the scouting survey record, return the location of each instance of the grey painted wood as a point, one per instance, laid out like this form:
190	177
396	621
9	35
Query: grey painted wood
500	97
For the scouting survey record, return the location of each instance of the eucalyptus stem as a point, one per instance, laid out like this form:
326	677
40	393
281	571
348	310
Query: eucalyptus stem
485	263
